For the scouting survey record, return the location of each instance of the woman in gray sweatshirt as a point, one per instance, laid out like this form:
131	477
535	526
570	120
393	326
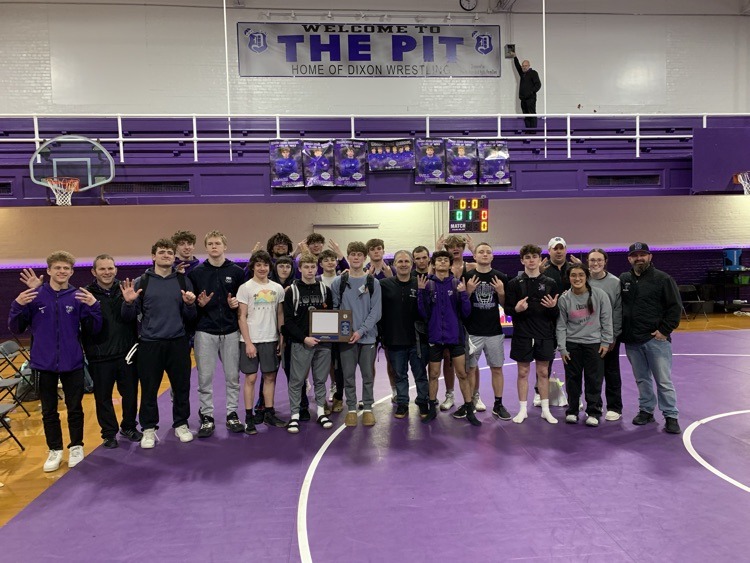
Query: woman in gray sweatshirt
584	333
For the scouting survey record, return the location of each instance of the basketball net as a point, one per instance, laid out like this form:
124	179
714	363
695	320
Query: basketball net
744	178
63	188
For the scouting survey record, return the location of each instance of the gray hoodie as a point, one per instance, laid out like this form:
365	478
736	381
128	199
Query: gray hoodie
576	324
611	286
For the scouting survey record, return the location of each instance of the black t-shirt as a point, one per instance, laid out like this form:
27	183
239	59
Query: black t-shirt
396	325
484	319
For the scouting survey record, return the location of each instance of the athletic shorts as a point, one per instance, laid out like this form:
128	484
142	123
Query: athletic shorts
436	351
266	358
493	347
528	349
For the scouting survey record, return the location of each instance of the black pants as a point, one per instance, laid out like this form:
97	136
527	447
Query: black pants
154	358
338	373
529	106
105	374
584	361
72	382
612	379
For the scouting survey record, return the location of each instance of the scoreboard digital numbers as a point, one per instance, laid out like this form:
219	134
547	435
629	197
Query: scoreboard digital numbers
469	215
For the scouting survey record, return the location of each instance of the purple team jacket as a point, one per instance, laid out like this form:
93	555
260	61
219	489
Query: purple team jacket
443	307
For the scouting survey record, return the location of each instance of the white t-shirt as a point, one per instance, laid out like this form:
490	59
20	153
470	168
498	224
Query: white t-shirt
327	280
262	302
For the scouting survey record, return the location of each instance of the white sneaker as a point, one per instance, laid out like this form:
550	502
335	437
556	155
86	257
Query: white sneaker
183	433
571	419
449	401
54	459
149	439
592	421
478	404
612	415
537	400
75	456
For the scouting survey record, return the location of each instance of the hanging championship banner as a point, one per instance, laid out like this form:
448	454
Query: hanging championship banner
350	163
461	161
493	162
368	50
286	169
430	161
318	160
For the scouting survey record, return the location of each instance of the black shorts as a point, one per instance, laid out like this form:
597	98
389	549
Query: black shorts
526	350
436	351
266	358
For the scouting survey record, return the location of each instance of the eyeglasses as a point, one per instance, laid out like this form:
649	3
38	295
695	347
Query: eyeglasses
595	260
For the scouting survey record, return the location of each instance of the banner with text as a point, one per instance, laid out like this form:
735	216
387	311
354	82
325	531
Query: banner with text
368	50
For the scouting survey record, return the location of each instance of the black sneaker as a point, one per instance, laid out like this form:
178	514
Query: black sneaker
133	435
304	415
424	408
642	418
471	415
431	412
234	424
250	426
271	419
259	415
110	443
207	427
500	412
672	426
460	412
401	411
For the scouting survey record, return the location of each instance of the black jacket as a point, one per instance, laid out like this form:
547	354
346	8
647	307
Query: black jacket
117	335
400	312
650	302
216	317
529	84
537	321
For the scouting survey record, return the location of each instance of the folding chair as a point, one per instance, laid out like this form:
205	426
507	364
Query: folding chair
9	351
4	411
690	296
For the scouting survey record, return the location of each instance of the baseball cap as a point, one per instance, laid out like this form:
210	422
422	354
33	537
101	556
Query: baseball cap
554	241
638	247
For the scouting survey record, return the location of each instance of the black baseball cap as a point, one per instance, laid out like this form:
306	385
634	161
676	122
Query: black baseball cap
638	247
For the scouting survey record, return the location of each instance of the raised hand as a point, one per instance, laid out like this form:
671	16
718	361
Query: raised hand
574	259
549	302
422	281
27	296
387	272
203	299
522	305
461	287
188	297
469	243
129	294
232	301
85	296
333	245
181	267
440	243
544	265
471	284
257	247
499	286
30	279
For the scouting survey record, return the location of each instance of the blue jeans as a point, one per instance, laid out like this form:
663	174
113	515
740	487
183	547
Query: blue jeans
652	361
401	358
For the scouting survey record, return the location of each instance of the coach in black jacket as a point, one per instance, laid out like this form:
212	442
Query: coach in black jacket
651	310
528	86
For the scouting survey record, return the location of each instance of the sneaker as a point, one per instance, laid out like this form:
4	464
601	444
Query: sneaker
368	419
500	412
233	423
54	459
149	438
424	409
471	416
612	415
431	412
332	392
110	443
394	394
259	415
449	401
270	419
184	434
75	456
304	415
207	428
642	418
459	413
250	426
537	400
401	411
672	426
478	404
132	434
571	419
592	421
351	419
338	405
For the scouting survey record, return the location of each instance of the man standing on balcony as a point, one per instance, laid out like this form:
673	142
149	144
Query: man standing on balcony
528	86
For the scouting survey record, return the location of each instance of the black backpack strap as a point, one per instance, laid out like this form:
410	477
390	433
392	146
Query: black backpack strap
342	287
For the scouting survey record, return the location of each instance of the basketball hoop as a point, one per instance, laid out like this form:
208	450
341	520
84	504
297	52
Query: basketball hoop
63	188
744	179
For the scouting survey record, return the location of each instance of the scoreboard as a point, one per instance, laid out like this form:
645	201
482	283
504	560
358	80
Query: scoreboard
469	215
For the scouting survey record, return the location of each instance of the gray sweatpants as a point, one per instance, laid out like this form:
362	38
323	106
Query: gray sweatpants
364	356
302	358
207	348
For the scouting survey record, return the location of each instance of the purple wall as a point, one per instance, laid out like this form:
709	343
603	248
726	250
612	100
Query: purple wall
720	154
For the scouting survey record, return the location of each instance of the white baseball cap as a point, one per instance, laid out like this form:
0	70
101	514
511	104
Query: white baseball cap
554	241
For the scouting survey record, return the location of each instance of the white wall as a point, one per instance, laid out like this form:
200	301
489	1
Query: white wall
155	57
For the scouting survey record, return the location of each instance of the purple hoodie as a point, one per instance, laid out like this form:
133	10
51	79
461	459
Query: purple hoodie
443	307
55	318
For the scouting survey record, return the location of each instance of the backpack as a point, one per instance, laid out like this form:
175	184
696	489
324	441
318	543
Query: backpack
191	324
369	282
295	293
